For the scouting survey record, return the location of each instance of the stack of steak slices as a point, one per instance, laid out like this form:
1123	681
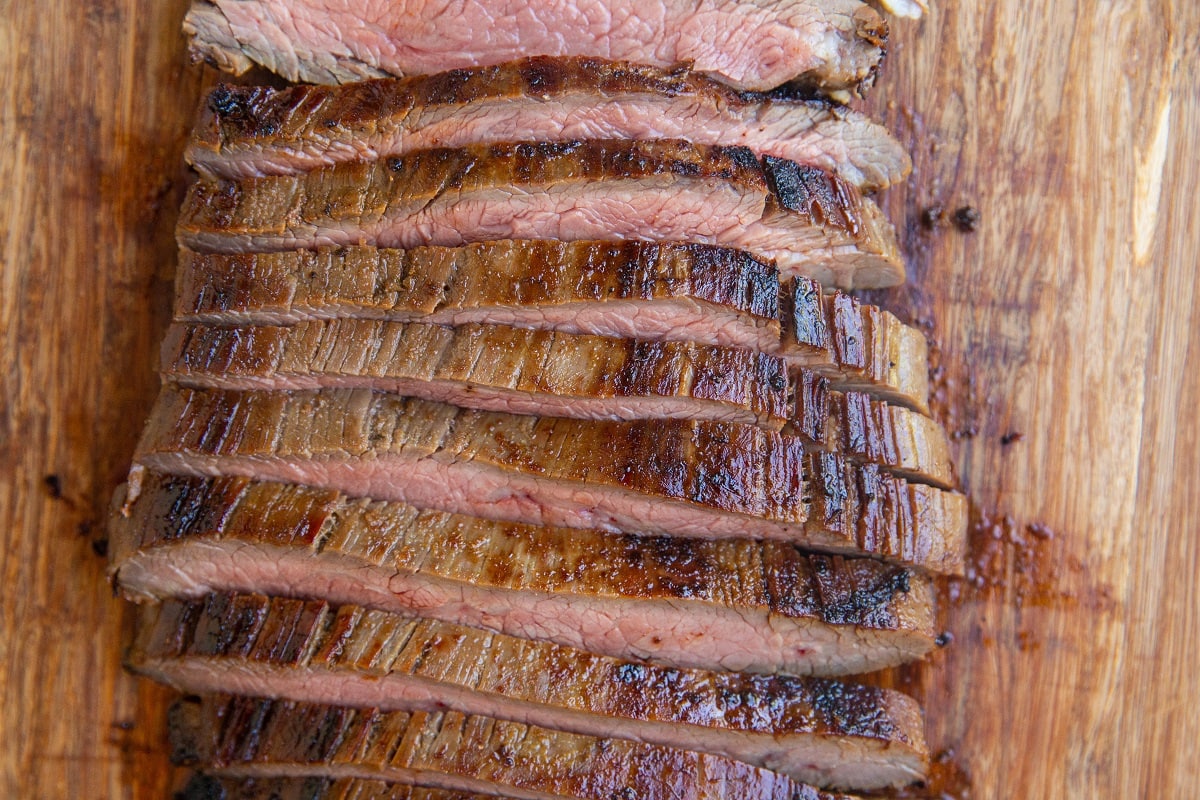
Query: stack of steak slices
517	437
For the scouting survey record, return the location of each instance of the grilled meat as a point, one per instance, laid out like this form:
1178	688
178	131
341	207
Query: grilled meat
808	221
761	607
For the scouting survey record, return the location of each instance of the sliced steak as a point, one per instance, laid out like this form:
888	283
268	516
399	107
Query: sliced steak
808	221
680	293
737	604
251	737
206	787
246	131
856	346
828	733
491	367
831	45
679	477
499	368
661	292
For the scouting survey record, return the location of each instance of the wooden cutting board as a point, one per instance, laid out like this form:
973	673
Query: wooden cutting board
1063	307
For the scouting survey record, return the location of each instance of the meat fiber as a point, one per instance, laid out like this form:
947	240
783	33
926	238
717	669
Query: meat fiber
809	222
667	292
761	607
828	733
678	477
491	367
249	737
245	131
833	45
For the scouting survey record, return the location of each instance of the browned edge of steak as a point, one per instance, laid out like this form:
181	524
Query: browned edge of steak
490	367
762	607
677	477
855	345
808	220
549	373
252	737
871	431
827	733
667	292
246	131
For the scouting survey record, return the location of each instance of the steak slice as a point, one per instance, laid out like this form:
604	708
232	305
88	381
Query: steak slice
491	367
252	737
736	604
660	292
206	787
832	45
828	733
499	368
667	292
808	221
679	477
246	131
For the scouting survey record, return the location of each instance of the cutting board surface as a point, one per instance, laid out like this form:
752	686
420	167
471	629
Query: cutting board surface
1062	304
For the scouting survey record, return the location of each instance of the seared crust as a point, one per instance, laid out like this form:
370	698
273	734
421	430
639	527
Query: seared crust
245	131
667	292
490	367
856	346
809	221
499	368
682	477
824	614
909	444
828	733
673	292
254	737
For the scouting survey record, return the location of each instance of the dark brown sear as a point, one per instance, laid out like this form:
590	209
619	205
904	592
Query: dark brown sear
828	733
514	370
490	367
656	292
761	607
808	221
247	131
676	477
250	737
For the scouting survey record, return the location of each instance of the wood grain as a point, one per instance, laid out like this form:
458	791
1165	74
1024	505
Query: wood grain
1066	323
